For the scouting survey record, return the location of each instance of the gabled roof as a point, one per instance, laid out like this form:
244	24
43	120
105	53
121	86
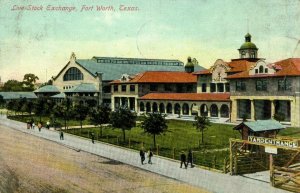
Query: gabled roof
287	67
202	72
261	125
162	77
114	71
17	95
83	87
187	96
47	88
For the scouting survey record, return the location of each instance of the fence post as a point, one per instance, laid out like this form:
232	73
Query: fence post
224	167
157	151
173	153
214	163
129	143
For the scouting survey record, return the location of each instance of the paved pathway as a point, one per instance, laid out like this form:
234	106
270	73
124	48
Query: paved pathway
212	181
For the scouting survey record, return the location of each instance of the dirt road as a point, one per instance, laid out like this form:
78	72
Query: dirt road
30	164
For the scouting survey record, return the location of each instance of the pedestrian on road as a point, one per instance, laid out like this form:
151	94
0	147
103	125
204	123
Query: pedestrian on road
61	135
33	125
93	137
190	158
183	160
142	155
48	124
40	126
150	154
28	125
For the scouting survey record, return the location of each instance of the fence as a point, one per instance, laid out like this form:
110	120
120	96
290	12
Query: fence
208	158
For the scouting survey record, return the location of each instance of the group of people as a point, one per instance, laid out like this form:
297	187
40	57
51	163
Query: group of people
185	161
143	156
31	125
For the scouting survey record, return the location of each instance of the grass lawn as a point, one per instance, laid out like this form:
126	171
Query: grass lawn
290	132
181	136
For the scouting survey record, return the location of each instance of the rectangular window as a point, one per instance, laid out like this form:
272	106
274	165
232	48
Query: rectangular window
153	87
220	87
261	85
116	88
106	89
227	87
123	88
212	87
132	88
240	86
189	88
284	85
168	87
203	87
179	88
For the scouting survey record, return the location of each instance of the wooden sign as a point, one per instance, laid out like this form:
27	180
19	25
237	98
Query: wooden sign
274	141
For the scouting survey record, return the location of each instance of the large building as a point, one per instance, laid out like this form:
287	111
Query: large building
248	87
88	79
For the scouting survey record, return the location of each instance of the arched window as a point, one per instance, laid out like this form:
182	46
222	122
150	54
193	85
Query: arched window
177	109
224	111
169	108
261	69
161	108
73	74
214	110
148	107
154	107
185	109
203	110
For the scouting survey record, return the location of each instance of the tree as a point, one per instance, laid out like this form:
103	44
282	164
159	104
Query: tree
201	123
123	119
2	101
28	107
154	124
81	112
64	109
10	105
29	80
13	85
99	116
40	107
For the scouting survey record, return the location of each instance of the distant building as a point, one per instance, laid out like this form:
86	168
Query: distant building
88	79
245	88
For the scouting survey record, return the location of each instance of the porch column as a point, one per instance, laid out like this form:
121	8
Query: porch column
136	106
272	109
128	103
233	110
252	110
190	110
208	111
113	103
151	109
181	110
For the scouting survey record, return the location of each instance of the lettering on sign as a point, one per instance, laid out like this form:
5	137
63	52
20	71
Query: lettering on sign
276	142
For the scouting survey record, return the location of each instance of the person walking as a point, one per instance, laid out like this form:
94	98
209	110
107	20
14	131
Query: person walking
48	124
150	154
40	126
61	135
190	159
142	155
33	125
183	160
93	137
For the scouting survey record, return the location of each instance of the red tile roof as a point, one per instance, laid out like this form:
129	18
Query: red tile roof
287	67
240	65
162	77
187	96
202	72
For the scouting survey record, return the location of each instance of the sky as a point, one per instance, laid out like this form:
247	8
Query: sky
41	41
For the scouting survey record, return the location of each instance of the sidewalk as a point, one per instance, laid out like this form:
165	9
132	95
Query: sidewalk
212	181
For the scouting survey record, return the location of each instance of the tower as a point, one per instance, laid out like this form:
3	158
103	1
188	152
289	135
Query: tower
248	49
189	67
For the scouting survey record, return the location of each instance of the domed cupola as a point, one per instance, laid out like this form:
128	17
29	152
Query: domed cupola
248	49
189	67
